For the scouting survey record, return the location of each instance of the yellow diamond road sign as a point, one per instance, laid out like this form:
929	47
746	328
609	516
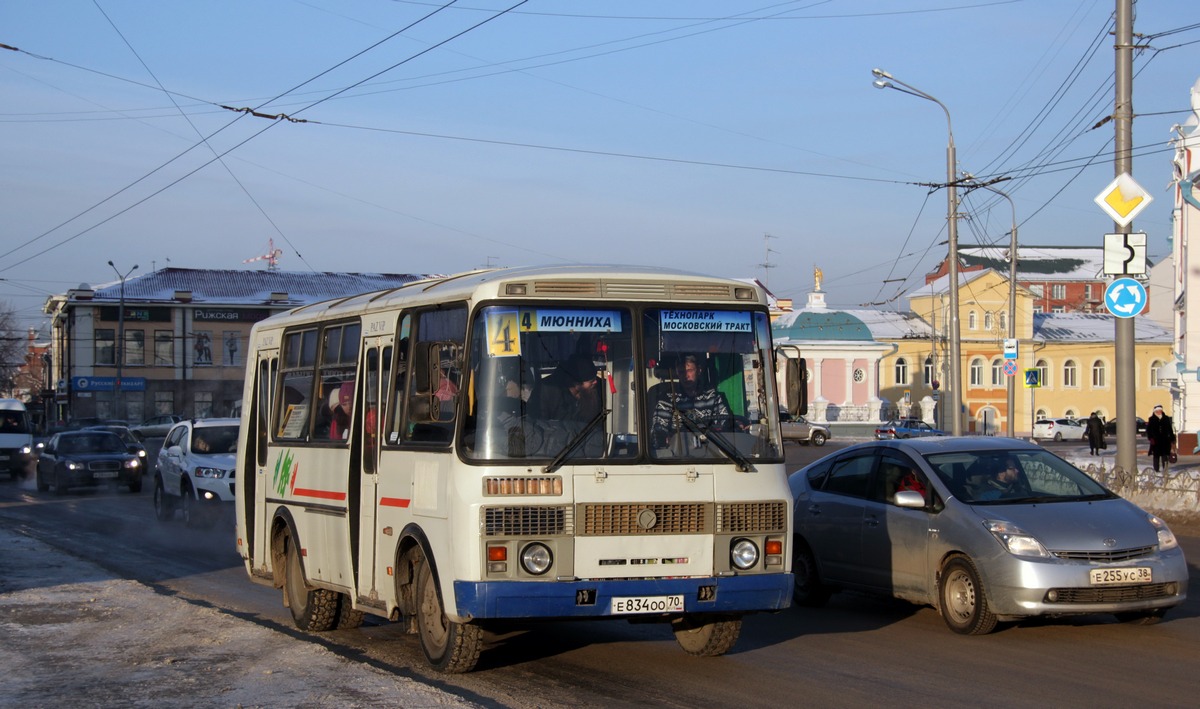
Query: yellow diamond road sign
1123	199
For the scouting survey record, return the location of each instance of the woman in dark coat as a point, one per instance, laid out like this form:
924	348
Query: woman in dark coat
1161	433
1095	433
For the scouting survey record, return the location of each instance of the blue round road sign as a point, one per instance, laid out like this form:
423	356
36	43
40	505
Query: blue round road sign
1125	297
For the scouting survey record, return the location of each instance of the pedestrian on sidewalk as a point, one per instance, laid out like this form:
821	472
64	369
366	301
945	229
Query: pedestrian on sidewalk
1095	433
1161	433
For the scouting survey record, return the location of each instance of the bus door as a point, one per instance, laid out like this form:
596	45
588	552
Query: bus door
253	484
376	368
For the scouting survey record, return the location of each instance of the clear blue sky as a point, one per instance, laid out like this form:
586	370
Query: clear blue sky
649	132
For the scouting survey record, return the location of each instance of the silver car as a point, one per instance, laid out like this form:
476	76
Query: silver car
984	529
802	430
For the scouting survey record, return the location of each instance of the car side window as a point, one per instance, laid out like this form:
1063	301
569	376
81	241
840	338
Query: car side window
816	476
896	473
850	476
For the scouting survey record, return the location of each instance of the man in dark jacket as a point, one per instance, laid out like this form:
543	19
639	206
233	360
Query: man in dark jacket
1095	433
1161	432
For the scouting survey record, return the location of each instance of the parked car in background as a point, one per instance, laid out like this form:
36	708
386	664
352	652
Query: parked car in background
86	458
1110	428
1020	533
195	470
802	430
906	428
1062	429
155	426
131	442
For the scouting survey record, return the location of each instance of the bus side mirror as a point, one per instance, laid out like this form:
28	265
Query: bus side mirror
795	377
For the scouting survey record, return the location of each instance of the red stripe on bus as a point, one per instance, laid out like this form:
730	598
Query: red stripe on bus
321	494
394	502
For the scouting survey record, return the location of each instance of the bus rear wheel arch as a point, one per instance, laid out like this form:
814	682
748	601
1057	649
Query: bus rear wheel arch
313	609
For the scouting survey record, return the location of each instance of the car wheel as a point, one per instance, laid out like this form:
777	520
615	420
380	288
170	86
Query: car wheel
807	589
164	507
1058	436
964	604
42	485
1149	617
136	484
313	609
448	645
60	487
705	636
817	438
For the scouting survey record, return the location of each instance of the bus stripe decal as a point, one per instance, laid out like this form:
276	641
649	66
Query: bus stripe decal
320	494
394	501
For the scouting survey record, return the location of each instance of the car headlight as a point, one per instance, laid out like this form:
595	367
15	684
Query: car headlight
209	473
1015	540
743	553
26	450
536	558
74	466
133	464
1166	538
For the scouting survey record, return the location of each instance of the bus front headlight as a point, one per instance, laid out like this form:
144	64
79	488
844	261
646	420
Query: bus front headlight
536	558
743	553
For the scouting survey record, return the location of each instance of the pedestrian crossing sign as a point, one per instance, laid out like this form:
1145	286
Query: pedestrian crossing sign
1033	378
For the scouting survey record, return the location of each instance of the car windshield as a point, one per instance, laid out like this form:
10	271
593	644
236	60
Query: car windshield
1013	477
98	442
211	440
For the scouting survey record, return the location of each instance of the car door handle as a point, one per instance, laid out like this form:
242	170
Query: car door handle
871	521
814	509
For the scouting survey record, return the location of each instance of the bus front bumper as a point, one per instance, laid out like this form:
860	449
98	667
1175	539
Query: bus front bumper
593	599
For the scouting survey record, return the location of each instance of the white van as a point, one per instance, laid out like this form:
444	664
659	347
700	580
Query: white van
16	437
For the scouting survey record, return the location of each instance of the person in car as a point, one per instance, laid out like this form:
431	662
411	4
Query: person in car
1004	483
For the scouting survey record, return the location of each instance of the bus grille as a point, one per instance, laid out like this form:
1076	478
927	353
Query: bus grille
748	517
527	521
646	518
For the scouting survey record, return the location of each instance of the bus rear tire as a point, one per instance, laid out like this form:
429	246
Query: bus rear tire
348	618
448	645
313	609
706	636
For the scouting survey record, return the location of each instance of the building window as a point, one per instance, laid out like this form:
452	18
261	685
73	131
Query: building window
977	372
1069	413
106	347
202	406
1098	374
1070	374
998	373
928	371
971	320
1090	292
135	347
1058	309
164	351
164	402
987	320
1154	380
860	375
901	371
202	347
1038	290
1038	309
1004	320
1043	372
1041	414
1058	291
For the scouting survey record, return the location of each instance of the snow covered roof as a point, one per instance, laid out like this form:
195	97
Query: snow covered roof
1039	263
810	324
232	287
1093	327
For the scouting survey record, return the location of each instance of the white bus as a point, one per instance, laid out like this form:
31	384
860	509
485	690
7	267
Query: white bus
536	443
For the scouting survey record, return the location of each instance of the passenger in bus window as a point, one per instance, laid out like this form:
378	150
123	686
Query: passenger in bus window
689	396
570	393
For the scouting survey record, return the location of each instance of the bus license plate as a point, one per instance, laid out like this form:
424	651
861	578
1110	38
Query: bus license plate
647	604
1106	577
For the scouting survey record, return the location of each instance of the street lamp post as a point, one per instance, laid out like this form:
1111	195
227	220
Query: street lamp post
885	80
120	349
1012	300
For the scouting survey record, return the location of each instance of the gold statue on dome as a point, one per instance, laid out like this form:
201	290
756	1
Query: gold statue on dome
817	276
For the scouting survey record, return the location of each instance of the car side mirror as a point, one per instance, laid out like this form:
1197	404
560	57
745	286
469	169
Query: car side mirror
909	498
175	450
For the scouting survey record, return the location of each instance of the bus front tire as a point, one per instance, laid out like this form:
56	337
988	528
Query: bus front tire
448	645
705	636
313	609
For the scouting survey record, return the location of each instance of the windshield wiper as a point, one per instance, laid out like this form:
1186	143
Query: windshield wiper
719	442
575	441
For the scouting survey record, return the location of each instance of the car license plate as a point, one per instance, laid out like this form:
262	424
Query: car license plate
1107	577
106	474
647	604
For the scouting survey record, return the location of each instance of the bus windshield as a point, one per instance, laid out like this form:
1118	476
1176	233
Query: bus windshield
553	383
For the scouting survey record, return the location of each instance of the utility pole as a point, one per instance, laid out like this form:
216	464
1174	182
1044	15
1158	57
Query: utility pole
1126	370
766	264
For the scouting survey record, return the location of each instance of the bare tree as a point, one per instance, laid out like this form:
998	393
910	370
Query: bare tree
12	347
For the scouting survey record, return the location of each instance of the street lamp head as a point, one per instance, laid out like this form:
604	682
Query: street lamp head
881	74
881	84
110	263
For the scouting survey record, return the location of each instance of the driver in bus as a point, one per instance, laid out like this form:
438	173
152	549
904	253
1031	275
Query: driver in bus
692	397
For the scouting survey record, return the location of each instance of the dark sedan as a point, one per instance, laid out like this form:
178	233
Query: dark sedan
1110	428
87	458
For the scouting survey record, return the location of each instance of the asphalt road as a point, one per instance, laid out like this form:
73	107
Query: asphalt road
857	651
